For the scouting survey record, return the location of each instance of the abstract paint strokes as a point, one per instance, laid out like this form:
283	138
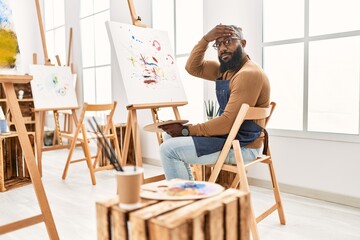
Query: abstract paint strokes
152	63
9	48
147	64
52	87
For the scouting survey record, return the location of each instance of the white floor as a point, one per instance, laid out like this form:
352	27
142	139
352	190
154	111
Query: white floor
72	203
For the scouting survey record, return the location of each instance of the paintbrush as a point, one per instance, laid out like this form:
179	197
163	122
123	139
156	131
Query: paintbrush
106	146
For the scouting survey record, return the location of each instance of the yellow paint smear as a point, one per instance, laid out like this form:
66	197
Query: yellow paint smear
8	49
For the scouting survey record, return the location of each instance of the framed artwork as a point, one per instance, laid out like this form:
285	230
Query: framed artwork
147	64
53	87
9	47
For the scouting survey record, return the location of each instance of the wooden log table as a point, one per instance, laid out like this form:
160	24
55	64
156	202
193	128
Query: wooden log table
223	216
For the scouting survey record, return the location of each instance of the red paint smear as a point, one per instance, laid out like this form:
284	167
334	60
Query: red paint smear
149	81
157	45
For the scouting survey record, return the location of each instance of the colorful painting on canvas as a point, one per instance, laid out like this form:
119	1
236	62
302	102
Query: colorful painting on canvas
9	47
147	64
53	87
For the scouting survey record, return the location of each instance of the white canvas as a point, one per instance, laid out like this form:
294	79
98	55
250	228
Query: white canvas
9	47
147	64
53	87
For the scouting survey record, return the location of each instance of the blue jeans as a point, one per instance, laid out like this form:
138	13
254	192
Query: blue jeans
177	154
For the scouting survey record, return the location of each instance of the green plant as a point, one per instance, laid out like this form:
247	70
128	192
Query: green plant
211	108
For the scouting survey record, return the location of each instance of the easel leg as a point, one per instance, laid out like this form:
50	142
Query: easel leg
31	164
2	177
39	142
132	127
136	138
155	116
57	131
126	140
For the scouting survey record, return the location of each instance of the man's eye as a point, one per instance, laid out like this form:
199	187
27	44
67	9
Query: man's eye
227	42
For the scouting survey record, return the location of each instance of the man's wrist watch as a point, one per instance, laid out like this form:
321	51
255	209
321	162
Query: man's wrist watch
185	131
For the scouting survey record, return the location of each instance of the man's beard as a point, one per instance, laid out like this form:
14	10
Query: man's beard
234	61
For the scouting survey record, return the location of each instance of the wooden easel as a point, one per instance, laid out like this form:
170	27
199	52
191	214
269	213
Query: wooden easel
136	20
39	129
40	114
45	216
132	128
67	115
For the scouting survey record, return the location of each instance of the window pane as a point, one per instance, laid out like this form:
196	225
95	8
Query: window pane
101	5
336	16
59	13
286	84
102	45
86	8
163	17
59	44
87	41
50	46
48	15
194	89
334	85
283	19
189	30
89	85
103	85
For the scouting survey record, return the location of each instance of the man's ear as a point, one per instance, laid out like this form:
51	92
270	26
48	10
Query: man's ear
243	42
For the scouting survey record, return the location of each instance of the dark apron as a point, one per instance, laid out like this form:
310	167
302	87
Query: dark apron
248	132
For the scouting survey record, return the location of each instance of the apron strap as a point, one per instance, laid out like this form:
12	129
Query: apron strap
266	142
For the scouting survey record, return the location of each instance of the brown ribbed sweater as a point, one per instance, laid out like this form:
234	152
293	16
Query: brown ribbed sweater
248	85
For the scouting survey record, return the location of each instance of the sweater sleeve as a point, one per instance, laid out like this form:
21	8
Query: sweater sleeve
198	67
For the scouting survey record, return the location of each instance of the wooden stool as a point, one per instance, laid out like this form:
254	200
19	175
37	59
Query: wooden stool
224	216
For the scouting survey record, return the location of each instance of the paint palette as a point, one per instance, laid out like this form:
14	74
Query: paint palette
178	189
154	127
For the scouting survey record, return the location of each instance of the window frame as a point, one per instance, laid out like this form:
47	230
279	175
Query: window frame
328	136
52	30
95	66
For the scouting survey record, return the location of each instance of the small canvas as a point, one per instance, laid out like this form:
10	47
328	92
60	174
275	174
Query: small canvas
147	64
9	47
53	87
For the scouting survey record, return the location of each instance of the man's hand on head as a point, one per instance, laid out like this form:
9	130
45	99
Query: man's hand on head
219	31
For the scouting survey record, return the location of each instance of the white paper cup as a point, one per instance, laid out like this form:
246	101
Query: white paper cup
128	186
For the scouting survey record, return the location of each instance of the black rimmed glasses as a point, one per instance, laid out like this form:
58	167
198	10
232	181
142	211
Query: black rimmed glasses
227	42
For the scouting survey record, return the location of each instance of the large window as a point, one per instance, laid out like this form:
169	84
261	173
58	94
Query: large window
184	32
54	14
95	47
312	56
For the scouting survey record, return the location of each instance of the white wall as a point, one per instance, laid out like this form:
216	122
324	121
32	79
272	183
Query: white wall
327	166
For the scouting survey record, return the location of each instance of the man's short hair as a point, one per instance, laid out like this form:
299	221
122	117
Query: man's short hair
238	31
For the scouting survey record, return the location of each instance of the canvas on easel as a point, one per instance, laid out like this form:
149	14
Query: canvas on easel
9	46
147	64
53	87
149	75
